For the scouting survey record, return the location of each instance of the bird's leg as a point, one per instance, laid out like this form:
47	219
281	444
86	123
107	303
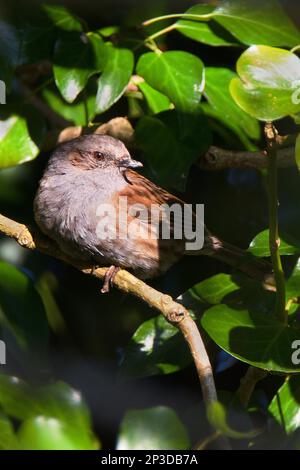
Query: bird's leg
93	269
109	278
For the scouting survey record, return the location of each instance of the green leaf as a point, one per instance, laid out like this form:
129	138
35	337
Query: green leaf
43	433
214	289
285	405
20	136
260	246
76	58
115	77
155	348
218	418
172	142
257	22
297	151
177	74
16	398
61	18
21	309
208	33
54	416
80	112
268	83
156	101
152	429
8	440
254	338
219	98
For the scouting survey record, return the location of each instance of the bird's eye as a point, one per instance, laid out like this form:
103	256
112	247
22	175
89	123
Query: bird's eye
99	155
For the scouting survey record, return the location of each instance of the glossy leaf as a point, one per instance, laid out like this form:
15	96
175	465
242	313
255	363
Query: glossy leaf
80	112
259	340
214	289
268	83
20	137
217	92
76	58
22	309
152	429
257	22
177	74
61	18
155	348
285	405
208	33
156	101
115	77
54	416
171	142
16	398
260	246
43	433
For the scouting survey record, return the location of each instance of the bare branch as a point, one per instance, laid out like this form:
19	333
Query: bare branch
220	159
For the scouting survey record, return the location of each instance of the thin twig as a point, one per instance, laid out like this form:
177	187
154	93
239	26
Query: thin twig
274	240
248	384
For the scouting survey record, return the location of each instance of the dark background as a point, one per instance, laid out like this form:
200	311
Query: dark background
86	354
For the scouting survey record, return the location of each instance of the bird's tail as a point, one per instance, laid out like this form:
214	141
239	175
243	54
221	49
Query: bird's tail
242	260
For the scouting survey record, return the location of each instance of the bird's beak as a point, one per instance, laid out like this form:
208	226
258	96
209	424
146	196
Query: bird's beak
130	163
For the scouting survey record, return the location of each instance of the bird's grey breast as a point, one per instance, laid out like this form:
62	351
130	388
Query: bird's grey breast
66	207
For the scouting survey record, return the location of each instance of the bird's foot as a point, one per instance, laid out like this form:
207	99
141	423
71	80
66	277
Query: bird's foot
109	278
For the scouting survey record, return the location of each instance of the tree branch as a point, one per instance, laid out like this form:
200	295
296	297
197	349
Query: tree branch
220	159
174	312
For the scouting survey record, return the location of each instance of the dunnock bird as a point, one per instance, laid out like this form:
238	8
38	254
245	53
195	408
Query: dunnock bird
94	171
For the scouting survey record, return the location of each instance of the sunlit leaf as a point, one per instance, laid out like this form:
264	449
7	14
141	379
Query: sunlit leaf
285	405
115	77
20	137
260	246
257	22
177	74
217	92
206	32
268	83
155	348
156	101
152	429
76	58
